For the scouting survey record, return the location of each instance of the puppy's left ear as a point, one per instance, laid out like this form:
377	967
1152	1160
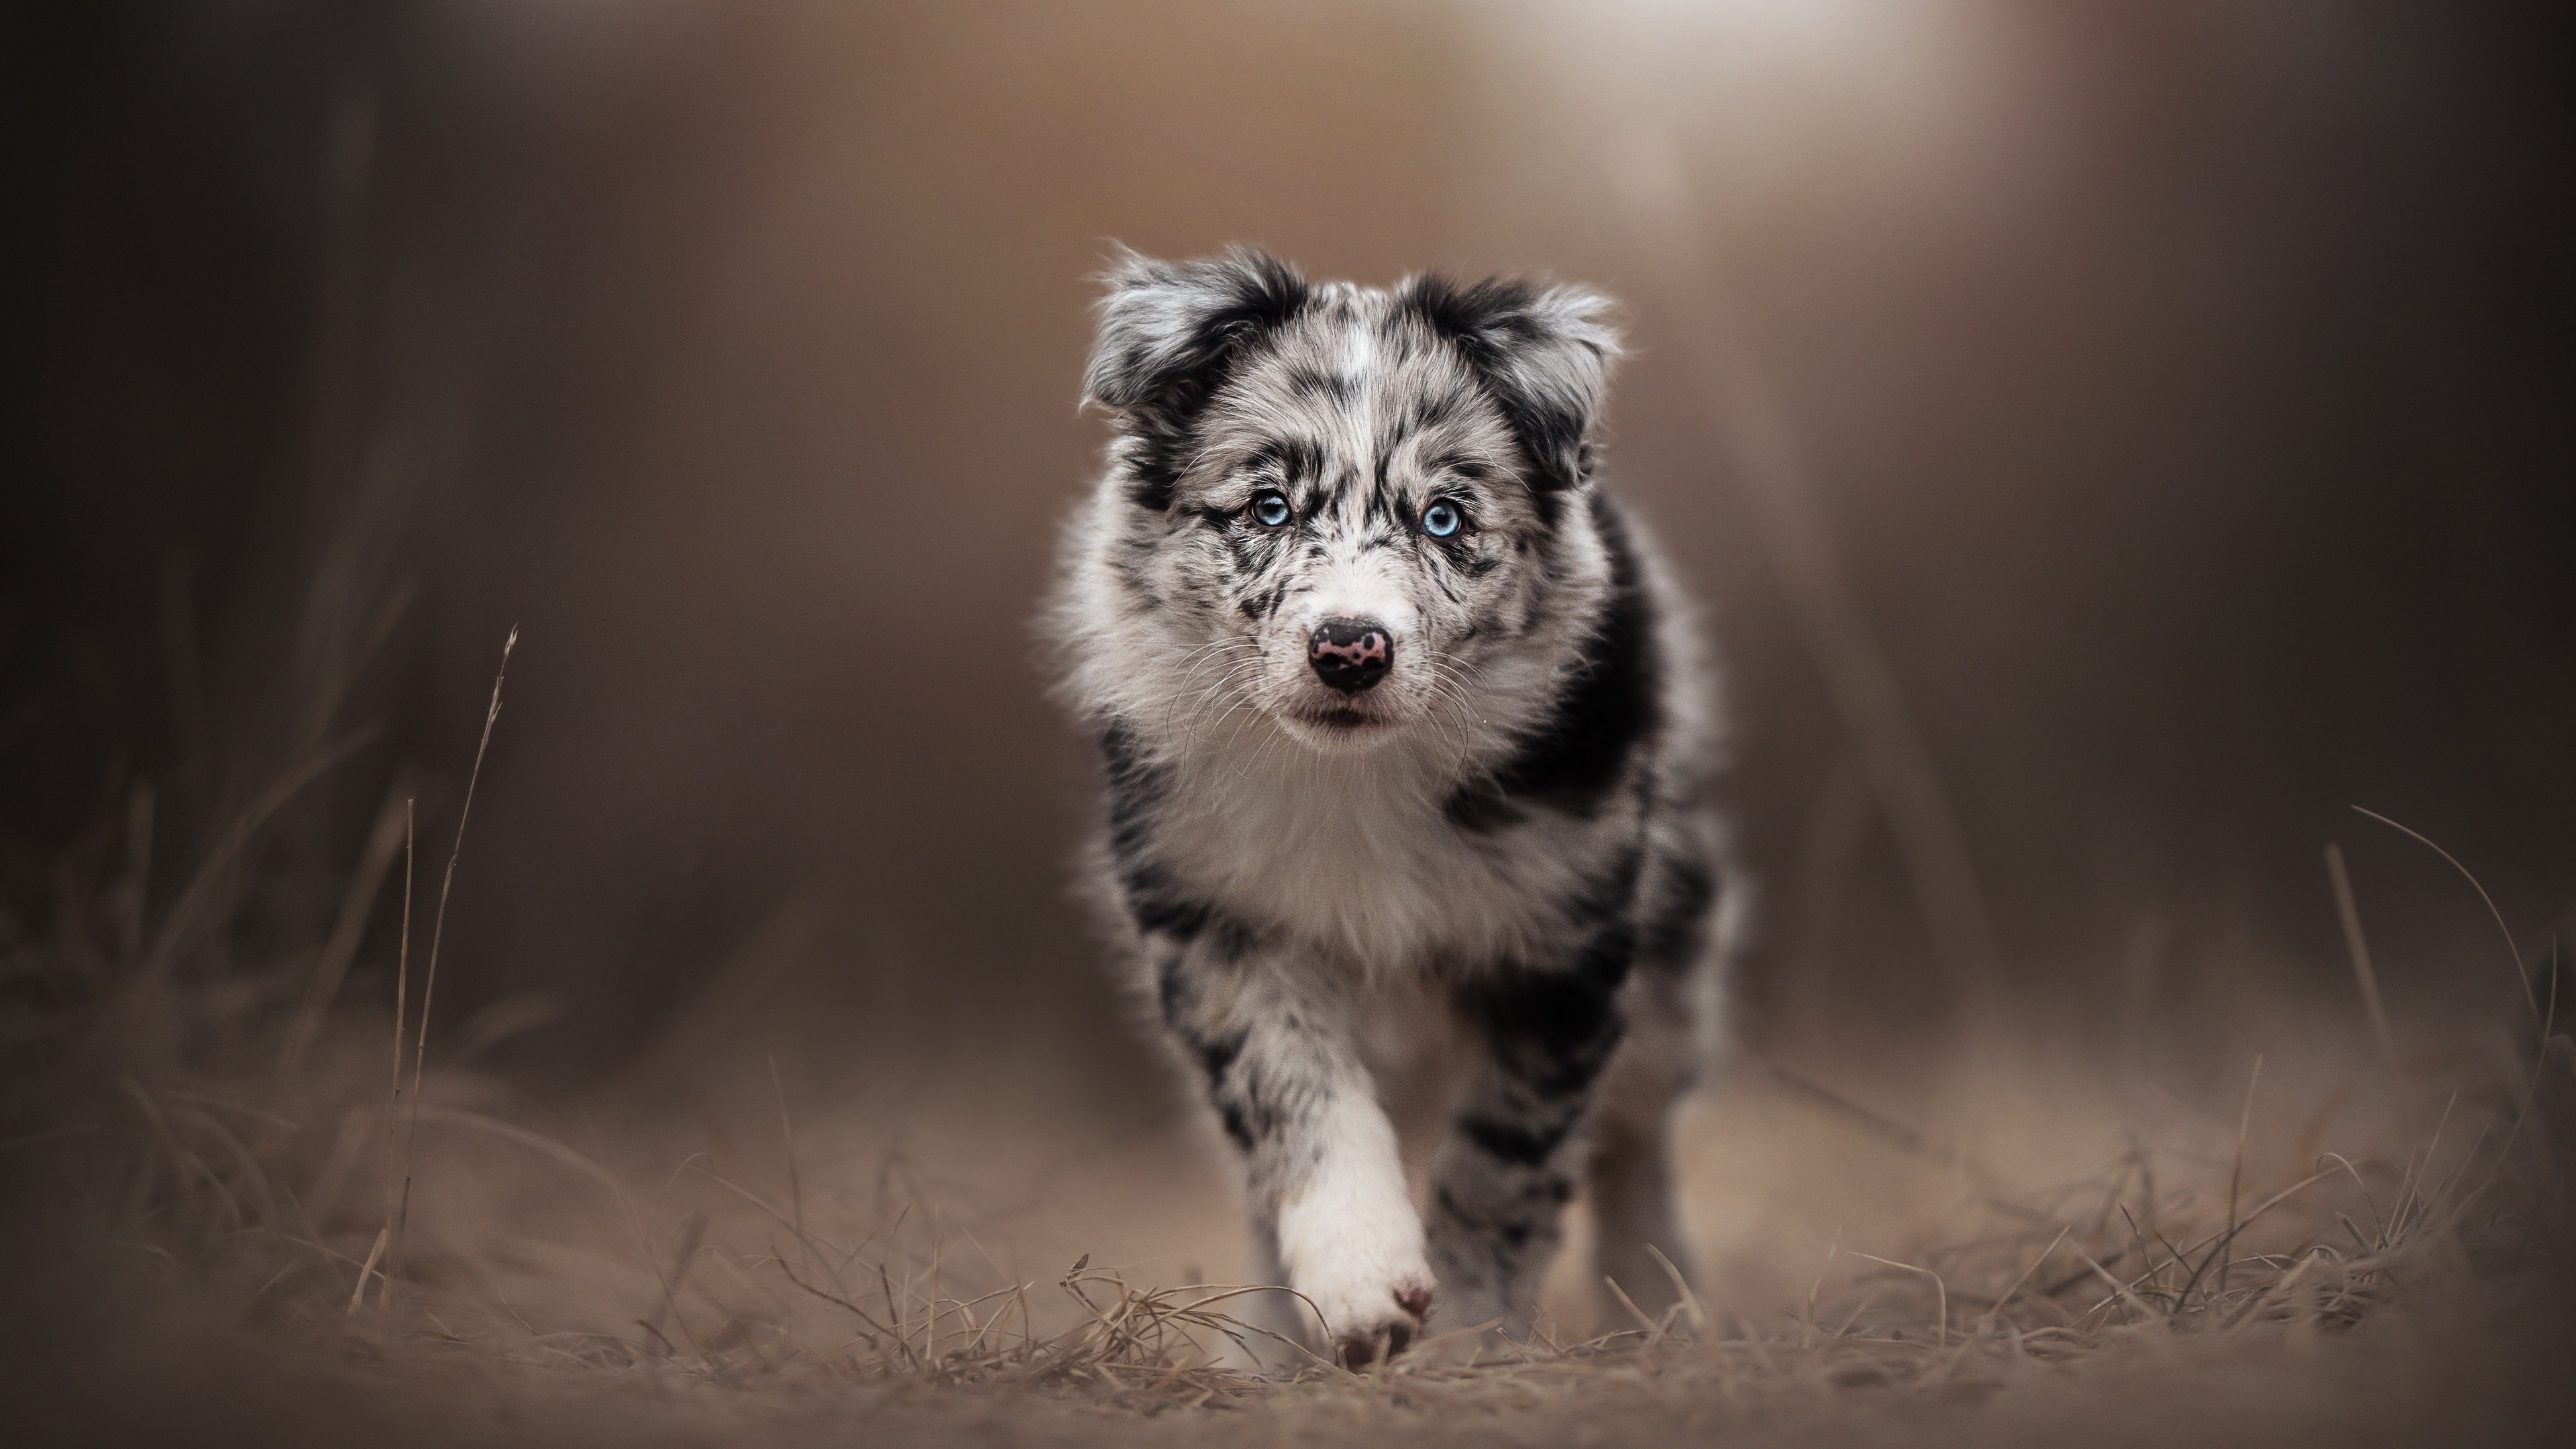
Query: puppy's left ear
1543	352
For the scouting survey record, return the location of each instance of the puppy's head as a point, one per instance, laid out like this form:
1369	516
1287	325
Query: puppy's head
1345	506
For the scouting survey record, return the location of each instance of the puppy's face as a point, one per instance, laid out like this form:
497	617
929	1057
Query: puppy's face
1352	521
1342	506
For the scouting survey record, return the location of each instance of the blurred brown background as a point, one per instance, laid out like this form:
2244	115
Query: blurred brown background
2185	389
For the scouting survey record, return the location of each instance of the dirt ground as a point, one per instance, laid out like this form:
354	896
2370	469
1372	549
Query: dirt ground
2002	1243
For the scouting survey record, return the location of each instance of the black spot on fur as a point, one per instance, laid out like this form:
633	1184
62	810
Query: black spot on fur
1160	907
1609	894
1134	784
1316	384
1289	460
1235	938
1572	761
1238	1126
1252	1106
1608	952
1519	1143
1160	381
1482	809
1676	926
1218	1054
1156	902
1247	548
1262	603
1488	323
1175	990
1552	1030
1434	409
1459	464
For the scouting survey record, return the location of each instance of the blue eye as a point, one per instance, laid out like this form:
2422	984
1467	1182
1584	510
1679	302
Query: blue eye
1441	519
1270	509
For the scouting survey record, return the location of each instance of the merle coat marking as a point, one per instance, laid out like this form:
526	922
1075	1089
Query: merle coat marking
1406	736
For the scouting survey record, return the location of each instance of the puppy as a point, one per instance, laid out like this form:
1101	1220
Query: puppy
1406	737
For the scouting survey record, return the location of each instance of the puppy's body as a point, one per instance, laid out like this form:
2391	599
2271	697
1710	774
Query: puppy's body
1405	735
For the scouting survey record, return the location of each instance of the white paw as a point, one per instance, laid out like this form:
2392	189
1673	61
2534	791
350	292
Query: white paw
1369	1317
1351	1244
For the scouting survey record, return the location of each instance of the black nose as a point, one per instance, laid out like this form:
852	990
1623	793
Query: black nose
1350	654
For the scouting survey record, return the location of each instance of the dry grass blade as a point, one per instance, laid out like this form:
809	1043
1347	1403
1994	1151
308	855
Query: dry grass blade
2513	951
2120	1292
2236	1174
358	1295
1682	1291
787	1137
395	1171
1940	1289
437	930
2008	1293
2358	947
1645	1320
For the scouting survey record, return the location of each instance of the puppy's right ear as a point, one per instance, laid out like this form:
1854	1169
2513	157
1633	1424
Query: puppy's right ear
1170	330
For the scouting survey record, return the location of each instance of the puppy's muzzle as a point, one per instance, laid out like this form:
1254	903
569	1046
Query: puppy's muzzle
1350	654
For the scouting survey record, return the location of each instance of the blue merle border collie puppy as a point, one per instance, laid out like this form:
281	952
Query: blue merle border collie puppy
1408	748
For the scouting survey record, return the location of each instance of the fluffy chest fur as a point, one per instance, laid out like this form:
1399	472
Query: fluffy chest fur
1364	857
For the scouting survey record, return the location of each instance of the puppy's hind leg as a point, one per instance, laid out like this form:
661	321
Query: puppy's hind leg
1630	1178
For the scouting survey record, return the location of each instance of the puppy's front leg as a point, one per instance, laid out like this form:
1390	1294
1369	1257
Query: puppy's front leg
1319	1153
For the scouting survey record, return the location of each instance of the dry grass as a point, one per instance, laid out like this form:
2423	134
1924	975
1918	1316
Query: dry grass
2035	1230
